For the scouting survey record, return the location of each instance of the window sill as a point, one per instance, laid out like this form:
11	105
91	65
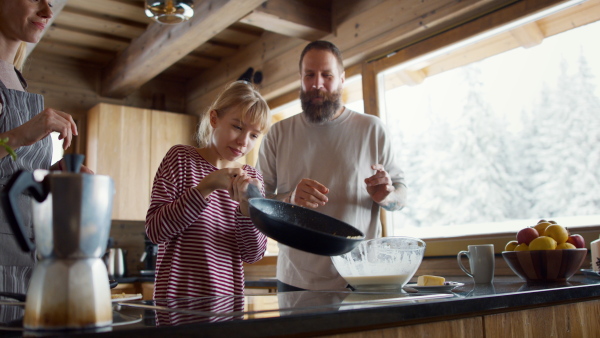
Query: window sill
450	246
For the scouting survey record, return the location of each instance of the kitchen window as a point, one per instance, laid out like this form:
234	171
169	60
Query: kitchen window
497	144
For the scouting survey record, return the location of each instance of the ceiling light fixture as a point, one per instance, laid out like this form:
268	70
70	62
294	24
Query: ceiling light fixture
170	11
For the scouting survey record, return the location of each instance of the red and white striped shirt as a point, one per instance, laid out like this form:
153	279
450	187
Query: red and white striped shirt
201	242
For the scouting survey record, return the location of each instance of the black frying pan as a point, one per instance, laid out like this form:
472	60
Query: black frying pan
301	228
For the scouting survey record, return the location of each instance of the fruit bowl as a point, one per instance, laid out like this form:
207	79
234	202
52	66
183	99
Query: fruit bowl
381	264
542	266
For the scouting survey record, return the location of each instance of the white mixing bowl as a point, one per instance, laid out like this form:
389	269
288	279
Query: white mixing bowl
381	264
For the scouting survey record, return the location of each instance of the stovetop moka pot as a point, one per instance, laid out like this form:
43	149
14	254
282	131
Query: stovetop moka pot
69	288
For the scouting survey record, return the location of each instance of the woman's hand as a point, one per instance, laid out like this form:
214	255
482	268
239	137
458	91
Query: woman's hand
40	126
218	179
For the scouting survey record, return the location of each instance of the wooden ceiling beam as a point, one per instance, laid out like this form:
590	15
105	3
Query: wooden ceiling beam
98	25
235	37
215	49
73	37
57	7
528	35
161	46
411	77
197	61
119	9
92	56
291	18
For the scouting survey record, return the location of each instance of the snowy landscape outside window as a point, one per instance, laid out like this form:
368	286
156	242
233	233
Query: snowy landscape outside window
500	143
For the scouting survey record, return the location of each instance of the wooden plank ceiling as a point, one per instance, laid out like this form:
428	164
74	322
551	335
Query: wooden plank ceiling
226	37
117	36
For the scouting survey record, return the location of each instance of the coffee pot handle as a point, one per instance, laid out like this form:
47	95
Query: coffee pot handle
19	182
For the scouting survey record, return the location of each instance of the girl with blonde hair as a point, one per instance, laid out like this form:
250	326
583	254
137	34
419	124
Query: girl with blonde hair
198	212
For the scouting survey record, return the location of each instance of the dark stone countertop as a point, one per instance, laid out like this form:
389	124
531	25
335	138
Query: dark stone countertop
308	313
260	283
134	279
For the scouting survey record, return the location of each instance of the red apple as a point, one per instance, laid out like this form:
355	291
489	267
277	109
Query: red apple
576	240
526	235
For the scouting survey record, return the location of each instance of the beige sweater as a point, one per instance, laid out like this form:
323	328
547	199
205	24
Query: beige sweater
9	77
339	155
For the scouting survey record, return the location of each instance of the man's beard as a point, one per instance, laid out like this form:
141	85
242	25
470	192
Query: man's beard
323	111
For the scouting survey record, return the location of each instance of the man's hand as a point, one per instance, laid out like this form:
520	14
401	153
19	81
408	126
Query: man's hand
379	186
389	196
309	193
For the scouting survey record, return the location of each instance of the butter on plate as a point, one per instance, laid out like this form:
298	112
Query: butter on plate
428	280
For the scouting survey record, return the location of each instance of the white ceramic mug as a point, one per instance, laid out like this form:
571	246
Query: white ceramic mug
481	261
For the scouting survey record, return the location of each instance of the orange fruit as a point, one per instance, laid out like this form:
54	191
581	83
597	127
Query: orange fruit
563	246
510	246
522	247
541	227
559	233
543	243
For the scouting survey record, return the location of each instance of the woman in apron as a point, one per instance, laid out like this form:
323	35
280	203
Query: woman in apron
27	126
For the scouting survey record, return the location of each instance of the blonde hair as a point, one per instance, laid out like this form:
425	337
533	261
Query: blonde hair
237	95
21	55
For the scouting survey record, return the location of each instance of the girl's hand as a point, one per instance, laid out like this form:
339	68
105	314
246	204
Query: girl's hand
219	179
239	190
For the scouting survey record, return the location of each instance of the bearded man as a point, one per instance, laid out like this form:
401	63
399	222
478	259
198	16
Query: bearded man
331	159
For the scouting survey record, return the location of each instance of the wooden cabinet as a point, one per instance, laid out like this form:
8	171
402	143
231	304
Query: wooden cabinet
464	328
565	320
128	145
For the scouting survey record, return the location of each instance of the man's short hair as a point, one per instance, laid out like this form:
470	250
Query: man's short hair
323	45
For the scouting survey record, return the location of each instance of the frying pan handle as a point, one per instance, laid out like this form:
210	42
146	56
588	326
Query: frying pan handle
253	191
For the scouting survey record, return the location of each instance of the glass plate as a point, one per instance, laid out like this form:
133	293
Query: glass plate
447	287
